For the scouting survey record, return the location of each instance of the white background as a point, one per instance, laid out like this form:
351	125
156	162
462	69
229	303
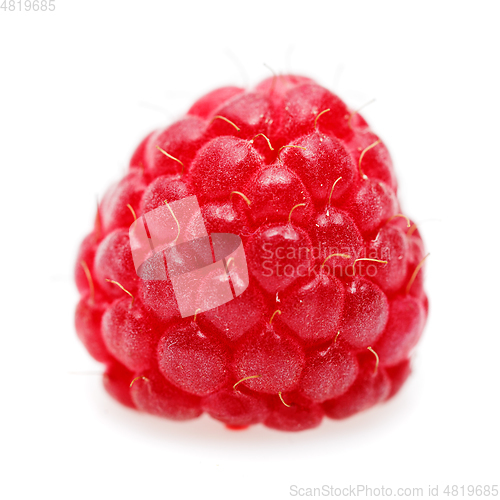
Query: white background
81	86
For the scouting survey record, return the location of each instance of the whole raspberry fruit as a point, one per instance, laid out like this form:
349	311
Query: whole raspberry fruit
335	302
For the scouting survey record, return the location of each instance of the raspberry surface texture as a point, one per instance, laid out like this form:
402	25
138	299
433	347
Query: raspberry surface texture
335	303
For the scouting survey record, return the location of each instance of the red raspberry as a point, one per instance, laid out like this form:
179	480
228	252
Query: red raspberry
335	303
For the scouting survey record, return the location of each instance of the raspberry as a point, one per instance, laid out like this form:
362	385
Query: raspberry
114	258
130	334
152	393
274	250
276	189
273	358
322	160
88	319
335	302
370	387
222	165
299	416
192	360
335	230
304	308
329	372
235	408
366	311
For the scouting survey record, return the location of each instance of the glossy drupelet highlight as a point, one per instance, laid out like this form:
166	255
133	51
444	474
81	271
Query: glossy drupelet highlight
335	303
